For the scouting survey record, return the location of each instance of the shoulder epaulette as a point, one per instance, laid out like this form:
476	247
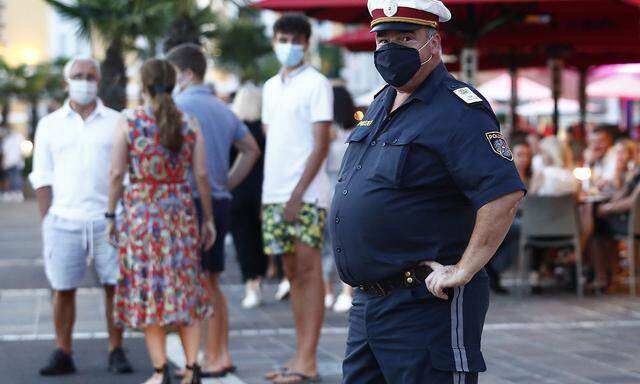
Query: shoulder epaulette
381	90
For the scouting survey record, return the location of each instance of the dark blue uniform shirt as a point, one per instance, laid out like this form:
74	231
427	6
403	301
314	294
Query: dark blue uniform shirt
411	181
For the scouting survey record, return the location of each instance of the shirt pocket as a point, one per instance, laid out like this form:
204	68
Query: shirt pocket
356	140
389	164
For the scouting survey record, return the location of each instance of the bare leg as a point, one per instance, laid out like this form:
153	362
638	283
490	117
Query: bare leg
156	340
115	333
604	251
308	307
64	317
190	338
217	356
587	224
289	268
272	269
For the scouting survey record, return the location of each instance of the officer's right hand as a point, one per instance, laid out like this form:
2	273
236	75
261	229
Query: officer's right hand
444	276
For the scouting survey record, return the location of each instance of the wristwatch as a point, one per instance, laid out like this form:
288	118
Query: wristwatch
109	216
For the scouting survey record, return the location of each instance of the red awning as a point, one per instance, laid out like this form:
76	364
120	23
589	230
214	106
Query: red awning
343	11
360	40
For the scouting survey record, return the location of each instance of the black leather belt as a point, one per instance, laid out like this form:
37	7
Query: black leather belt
408	279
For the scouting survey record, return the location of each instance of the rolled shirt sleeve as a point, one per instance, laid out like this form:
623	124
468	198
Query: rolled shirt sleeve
479	159
321	102
42	173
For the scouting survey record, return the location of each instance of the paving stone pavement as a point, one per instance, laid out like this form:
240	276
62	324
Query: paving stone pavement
553	338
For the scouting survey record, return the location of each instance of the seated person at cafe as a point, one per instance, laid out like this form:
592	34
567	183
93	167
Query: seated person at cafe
555	176
612	224
600	157
625	155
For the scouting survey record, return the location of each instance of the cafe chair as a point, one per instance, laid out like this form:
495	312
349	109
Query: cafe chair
549	222
632	244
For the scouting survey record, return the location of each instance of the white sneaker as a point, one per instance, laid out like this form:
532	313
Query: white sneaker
284	288
253	296
329	299
343	303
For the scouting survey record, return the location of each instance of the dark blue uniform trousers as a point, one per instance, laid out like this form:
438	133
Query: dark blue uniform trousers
411	337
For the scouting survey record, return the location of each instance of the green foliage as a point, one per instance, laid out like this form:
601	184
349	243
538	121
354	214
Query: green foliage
31	83
243	48
331	59
190	24
123	20
121	23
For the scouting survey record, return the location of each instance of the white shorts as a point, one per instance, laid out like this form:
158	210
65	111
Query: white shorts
69	247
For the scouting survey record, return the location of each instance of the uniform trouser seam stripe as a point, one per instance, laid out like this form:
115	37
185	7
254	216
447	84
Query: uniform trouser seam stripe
459	335
454	326
463	350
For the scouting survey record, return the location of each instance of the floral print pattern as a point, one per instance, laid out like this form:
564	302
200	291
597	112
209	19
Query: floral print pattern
161	281
280	236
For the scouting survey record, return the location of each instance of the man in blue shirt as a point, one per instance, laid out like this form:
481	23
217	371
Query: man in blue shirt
221	129
426	193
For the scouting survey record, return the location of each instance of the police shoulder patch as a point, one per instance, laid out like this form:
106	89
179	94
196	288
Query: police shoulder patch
499	145
467	95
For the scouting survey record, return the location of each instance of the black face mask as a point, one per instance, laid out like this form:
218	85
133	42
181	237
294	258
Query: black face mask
397	64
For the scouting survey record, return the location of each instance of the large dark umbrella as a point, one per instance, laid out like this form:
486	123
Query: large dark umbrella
512	33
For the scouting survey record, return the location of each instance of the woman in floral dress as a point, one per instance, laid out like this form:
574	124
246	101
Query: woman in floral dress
161	282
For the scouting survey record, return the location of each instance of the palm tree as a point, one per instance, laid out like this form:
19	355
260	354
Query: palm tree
190	24
7	89
244	48
119	23
33	83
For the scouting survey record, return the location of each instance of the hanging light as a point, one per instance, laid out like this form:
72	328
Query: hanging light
26	148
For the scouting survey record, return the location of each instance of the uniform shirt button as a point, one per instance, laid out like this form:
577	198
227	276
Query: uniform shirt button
373	143
384	144
407	274
337	220
339	250
345	192
358	167
409	280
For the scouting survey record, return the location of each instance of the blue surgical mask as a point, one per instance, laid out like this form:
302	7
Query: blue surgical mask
289	54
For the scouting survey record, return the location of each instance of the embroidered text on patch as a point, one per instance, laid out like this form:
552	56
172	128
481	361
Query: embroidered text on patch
499	145
467	95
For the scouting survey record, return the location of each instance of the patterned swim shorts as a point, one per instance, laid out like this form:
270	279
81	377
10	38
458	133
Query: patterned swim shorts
280	236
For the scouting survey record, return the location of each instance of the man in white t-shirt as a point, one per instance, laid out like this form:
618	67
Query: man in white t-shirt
297	115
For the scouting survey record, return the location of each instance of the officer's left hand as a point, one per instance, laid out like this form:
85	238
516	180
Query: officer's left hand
444	276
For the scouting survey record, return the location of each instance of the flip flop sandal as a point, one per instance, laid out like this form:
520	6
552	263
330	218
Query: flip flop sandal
220	373
298	378
275	373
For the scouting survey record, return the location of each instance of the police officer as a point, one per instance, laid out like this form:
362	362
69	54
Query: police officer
426	193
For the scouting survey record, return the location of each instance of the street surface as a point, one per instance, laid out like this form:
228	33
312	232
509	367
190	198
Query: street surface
554	338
